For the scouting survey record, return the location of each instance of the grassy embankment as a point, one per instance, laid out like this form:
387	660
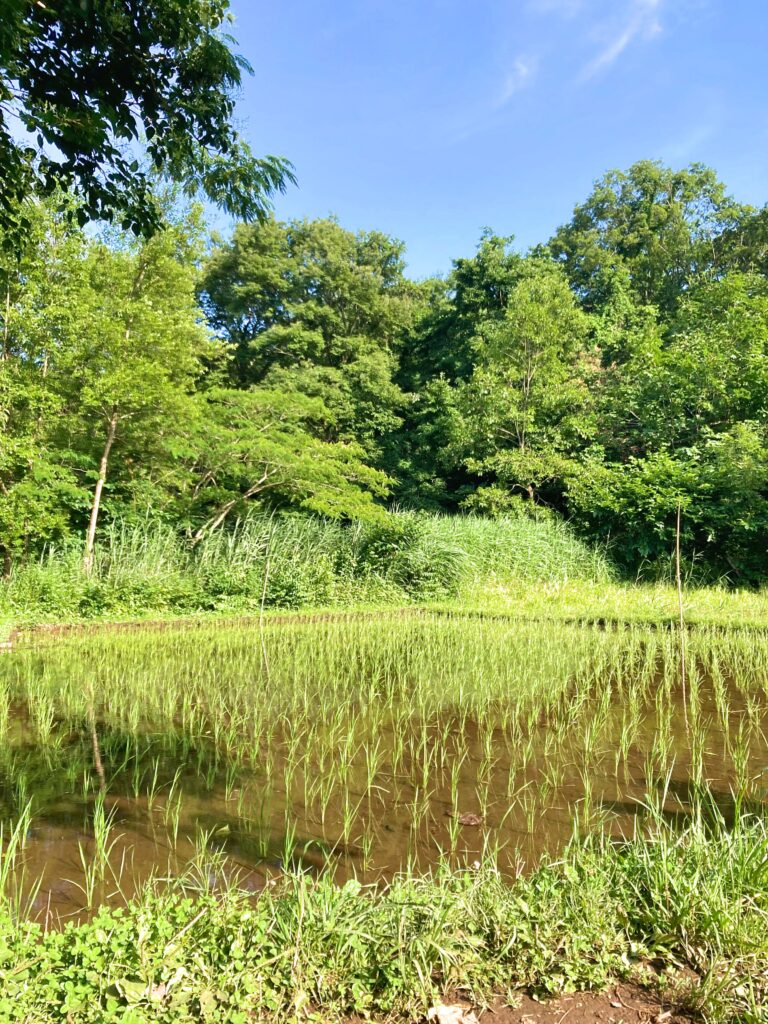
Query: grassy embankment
519	567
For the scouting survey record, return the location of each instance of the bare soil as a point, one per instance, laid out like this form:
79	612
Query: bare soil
621	1004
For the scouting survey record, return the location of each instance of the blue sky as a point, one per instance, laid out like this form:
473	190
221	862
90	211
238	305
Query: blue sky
432	119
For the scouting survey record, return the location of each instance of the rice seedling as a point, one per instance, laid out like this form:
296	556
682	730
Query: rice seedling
13	838
375	736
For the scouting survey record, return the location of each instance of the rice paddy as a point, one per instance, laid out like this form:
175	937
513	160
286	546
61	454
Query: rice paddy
360	747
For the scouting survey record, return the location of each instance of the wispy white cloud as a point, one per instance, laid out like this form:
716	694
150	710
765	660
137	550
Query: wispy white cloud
641	21
519	75
489	112
691	145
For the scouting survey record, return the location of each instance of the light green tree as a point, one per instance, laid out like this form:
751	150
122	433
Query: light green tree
526	406
681	419
130	364
38	301
262	443
663	230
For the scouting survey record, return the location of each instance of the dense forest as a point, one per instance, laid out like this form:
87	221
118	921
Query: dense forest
613	375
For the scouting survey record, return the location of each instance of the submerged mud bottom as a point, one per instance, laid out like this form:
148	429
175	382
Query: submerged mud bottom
360	748
83	847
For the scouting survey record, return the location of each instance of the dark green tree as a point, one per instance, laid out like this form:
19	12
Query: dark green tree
441	341
682	420
310	307
94	83
439	351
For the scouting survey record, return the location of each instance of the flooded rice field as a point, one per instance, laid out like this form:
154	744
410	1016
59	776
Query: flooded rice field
359	746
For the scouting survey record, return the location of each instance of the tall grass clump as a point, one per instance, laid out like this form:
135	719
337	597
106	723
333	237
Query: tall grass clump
292	561
521	548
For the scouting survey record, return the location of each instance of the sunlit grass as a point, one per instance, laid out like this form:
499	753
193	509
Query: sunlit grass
616	602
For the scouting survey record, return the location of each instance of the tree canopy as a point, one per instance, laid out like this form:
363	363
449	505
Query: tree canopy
657	230
613	375
89	87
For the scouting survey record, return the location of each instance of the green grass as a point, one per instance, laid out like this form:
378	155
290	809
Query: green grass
613	601
310	950
514	567
293	562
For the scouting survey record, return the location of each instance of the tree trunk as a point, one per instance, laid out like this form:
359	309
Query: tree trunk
113	421
90	539
223	511
6	323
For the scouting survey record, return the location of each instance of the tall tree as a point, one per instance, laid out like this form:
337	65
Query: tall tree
130	364
681	420
310	307
441	341
38	299
439	351
526	404
662	230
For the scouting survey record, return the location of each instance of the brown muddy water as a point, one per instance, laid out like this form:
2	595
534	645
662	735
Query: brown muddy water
361	748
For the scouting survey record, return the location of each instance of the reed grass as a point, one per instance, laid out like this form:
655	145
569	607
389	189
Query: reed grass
520	568
146	567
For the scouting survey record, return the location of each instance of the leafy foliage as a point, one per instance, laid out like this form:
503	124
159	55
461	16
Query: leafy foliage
313	308
660	230
91	81
610	377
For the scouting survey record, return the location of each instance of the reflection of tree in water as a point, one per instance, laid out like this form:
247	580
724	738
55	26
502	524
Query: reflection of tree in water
678	802
83	758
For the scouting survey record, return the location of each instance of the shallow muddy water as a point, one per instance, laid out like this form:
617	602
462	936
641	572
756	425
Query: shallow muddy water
361	748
